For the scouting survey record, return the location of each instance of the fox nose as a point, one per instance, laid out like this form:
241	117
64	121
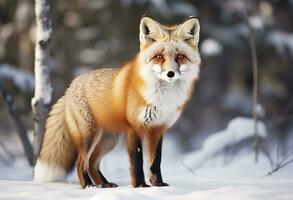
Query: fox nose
170	74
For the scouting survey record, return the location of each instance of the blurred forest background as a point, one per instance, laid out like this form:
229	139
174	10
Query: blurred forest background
88	34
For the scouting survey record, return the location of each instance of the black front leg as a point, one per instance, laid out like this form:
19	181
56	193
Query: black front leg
155	168
88	181
134	147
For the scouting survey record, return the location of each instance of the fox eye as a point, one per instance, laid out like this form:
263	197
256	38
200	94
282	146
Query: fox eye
179	57
159	56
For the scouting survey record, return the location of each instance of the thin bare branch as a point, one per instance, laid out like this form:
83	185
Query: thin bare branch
255	79
280	166
188	169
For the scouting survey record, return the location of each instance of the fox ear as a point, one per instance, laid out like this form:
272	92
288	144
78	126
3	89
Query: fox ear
149	30
189	31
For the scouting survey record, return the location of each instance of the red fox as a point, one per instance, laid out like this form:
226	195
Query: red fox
142	99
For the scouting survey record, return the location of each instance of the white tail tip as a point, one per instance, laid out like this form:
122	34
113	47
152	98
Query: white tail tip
46	172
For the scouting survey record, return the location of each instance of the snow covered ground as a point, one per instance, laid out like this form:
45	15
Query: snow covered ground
241	179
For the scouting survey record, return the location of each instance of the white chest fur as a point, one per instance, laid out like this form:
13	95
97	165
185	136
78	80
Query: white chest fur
164	99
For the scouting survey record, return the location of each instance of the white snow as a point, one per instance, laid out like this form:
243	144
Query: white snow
238	129
281	41
211	47
260	110
242	179
22	79
256	22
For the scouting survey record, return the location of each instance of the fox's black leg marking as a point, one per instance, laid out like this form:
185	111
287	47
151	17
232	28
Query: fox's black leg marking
136	160
105	183
102	177
156	175
88	181
137	157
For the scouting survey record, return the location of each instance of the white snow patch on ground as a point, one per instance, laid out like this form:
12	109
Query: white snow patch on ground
242	179
238	129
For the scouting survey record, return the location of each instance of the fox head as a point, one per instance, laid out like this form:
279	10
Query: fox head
169	53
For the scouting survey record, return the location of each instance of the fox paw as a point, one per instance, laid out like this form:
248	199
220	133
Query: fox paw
160	184
90	185
142	185
109	185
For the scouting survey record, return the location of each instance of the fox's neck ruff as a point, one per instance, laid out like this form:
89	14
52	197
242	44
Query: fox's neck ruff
166	67
164	99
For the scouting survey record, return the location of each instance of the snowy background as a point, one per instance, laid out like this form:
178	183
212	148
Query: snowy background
208	154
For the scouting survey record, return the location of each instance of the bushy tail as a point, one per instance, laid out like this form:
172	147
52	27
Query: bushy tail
57	155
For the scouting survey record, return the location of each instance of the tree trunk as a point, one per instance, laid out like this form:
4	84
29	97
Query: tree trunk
43	90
